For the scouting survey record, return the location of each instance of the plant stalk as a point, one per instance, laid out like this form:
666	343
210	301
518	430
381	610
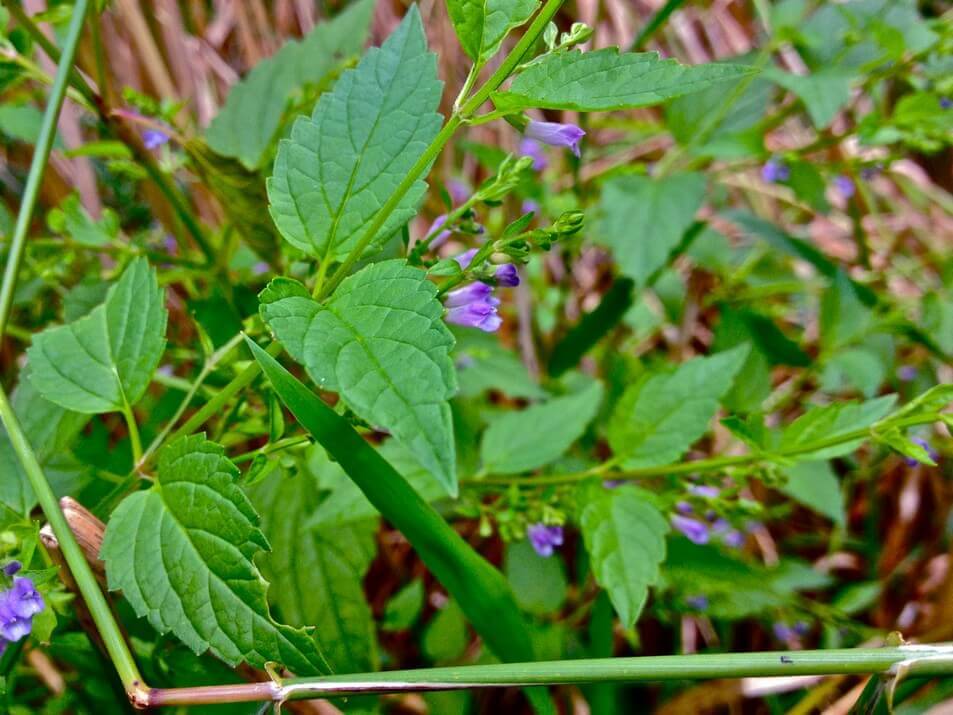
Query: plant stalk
921	660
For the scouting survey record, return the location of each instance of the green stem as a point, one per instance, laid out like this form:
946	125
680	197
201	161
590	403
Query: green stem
713	464
281	444
654	24
426	159
134	439
913	660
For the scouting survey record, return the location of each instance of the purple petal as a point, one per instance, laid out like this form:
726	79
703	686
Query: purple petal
694	530
441	237
458	191
24	600
556	134
153	138
11	568
544	538
465	258
507	276
475	292
704	490
774	171
844	186
530	207
534	150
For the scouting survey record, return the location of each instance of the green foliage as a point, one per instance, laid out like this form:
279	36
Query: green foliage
104	361
482	25
188	543
606	79
381	342
625	538
246	125
643	219
531	438
339	166
808	435
317	575
815	485
660	416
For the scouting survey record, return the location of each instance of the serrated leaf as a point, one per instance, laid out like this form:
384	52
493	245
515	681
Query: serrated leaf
246	125
824	93
380	341
657	419
830	422
899	442
104	361
183	555
933	400
606	79
643	219
340	165
531	438
625	538
317	575
481	25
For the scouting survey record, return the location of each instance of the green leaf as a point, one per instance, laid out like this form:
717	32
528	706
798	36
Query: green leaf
345	502
182	553
807	436
483	364
815	485
480	589
824	93
643	219
72	219
104	361
404	608
340	165
317	575
538	582
446	637
625	538
531	438
481	25
247	124
658	418
606	79
380	341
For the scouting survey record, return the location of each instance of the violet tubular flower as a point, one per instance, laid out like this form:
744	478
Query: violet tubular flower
153	138
844	186
775	170
473	306
556	134
442	236
18	605
694	530
507	276
544	538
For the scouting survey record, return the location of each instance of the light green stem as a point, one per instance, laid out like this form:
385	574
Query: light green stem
913	660
135	441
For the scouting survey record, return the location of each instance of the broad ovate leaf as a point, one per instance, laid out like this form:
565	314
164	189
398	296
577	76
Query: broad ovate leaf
607	79
659	417
819	433
524	440
247	124
379	341
341	165
625	538
482	25
182	553
317	575
104	361
643	219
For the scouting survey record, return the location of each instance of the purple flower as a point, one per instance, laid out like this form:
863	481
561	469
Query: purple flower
534	150
153	138
556	134
775	170
530	207
802	628
442	236
683	507
458	191
782	631
474	292
465	258
844	186
259	268
474	307
946	102
12	626
612	483
704	490
698	603
24	599
693	529
933	454
906	373
733	539
544	538
11	568
507	276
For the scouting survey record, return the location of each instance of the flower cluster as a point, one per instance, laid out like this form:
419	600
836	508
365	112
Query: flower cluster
18	605
701	531
474	305
774	170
